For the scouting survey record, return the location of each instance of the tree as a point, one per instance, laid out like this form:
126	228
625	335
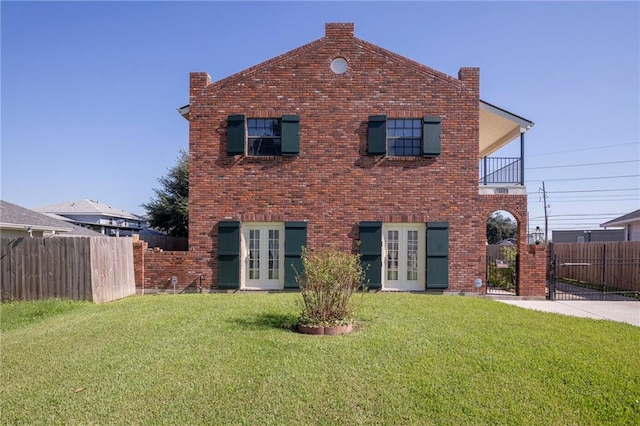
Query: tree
169	210
500	228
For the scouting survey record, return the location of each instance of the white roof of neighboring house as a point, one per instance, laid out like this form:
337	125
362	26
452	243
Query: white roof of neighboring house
19	218
87	207
632	217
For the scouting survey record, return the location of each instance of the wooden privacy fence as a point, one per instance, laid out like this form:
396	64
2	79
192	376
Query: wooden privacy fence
99	269
615	264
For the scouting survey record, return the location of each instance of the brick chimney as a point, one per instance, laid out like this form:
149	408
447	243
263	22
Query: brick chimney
197	82
338	30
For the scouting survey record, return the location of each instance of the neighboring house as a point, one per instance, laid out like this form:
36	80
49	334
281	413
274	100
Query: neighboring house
343	143
98	217
630	222
17	221
587	235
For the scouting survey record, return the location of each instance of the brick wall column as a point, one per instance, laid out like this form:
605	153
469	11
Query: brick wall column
139	250
533	271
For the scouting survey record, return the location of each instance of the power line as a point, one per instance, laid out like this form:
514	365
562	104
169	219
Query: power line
591	201
568	219
584	178
588	201
578	215
581	165
564	197
586	190
609	197
583	149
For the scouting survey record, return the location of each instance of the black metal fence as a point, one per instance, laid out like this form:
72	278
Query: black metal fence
593	278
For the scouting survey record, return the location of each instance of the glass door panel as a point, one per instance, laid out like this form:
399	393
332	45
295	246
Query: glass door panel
263	248
404	252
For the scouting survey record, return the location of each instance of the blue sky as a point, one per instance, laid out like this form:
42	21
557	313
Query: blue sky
90	89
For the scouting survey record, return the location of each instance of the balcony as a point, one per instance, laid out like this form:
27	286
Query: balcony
502	175
498	128
501	171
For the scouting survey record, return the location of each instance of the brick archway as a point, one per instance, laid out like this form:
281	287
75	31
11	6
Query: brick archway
531	270
502	260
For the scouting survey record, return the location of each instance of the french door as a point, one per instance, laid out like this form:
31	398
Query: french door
403	248
263	256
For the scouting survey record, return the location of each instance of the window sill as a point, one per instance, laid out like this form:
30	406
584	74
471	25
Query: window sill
402	158
259	158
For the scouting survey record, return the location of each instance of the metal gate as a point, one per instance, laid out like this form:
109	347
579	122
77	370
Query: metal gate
593	278
502	276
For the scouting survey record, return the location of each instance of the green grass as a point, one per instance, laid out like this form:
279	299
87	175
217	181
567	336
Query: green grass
233	359
19	314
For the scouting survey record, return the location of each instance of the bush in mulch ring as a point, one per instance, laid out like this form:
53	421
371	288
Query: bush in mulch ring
329	279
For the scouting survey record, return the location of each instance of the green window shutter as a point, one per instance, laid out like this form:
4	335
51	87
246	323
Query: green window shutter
295	237
228	255
431	137
290	135
371	253
235	134
377	136
437	255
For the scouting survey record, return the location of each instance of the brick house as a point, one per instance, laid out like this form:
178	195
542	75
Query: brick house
343	143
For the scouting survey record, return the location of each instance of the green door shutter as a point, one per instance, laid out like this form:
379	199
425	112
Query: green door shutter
228	255
431	137
235	134
377	135
437	255
290	135
371	253
295	237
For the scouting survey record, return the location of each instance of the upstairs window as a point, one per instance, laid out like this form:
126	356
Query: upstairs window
263	137
396	137
404	137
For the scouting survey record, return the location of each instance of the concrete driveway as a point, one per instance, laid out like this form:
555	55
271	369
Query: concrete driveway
627	312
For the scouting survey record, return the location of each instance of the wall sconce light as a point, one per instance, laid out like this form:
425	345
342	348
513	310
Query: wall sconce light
537	235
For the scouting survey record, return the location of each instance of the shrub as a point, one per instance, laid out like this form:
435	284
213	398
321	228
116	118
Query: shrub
329	279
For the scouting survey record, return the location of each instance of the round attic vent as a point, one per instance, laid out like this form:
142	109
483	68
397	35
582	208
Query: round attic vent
339	65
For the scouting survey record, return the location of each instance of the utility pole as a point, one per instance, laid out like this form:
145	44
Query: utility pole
546	217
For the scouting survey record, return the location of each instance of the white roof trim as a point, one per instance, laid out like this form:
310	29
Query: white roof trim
24	226
184	111
525	125
498	127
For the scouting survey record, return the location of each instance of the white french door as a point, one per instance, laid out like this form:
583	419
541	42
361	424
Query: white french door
263	256
403	248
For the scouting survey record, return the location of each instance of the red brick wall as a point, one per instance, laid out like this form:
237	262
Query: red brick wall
333	183
533	271
154	269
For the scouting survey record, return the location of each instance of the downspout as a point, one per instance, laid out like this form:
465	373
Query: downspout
521	158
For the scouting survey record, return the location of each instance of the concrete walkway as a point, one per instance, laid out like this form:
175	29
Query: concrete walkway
627	312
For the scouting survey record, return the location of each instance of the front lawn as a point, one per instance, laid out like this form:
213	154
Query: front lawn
233	359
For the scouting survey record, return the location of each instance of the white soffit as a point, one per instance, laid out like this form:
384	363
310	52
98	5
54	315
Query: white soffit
184	111
498	127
